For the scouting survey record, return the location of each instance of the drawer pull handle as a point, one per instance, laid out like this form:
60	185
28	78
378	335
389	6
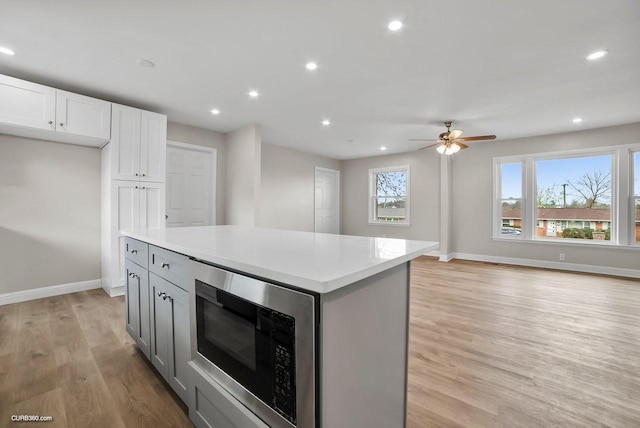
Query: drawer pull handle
133	275
134	251
161	294
165	265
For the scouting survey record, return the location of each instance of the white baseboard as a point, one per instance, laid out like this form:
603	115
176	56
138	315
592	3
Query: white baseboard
42	292
116	291
576	267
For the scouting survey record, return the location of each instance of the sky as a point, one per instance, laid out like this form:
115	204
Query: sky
558	171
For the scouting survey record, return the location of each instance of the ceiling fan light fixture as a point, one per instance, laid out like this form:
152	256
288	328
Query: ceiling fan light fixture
441	148
448	151
455	148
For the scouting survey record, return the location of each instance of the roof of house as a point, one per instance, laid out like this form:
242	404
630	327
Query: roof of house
580	214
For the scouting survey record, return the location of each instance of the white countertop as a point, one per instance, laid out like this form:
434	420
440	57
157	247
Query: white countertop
312	261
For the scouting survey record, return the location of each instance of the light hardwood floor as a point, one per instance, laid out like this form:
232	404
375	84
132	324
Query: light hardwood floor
490	346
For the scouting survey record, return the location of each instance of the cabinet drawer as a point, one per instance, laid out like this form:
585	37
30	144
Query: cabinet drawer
211	406
136	251
169	265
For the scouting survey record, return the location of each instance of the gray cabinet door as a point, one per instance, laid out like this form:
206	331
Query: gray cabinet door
137	304
131	296
160	321
179	339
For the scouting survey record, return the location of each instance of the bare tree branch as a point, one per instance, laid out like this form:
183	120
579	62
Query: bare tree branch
593	187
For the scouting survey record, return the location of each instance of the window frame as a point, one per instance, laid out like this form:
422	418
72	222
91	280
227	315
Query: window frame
372	221
623	195
634	193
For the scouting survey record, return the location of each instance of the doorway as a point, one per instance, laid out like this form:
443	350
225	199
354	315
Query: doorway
327	200
191	185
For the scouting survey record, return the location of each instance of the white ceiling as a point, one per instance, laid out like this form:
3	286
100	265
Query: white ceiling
513	68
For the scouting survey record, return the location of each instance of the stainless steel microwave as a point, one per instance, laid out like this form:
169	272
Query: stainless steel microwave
258	341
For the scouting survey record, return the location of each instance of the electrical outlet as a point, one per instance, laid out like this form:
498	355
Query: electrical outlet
561	257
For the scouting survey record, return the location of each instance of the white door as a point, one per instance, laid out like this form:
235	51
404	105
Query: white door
190	185
80	115
551	228
327	201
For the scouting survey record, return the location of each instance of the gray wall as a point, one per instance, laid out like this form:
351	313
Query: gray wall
49	213
204	137
242	197
425	196
288	186
473	193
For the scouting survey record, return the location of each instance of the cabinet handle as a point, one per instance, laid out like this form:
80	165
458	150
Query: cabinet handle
132	251
162	294
136	174
144	175
165	265
166	296
137	187
61	124
133	275
51	122
143	187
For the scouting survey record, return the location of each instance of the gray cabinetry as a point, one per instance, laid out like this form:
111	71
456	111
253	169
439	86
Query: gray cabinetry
169	314
137	303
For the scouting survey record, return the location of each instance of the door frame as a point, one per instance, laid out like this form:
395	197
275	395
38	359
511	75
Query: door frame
213	176
338	196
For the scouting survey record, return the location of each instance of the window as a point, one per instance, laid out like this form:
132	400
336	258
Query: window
578	196
573	197
389	196
636	193
511	199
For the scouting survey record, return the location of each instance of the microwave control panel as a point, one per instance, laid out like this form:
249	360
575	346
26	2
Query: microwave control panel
283	348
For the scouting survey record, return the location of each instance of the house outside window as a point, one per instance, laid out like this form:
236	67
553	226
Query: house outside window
389	194
579	196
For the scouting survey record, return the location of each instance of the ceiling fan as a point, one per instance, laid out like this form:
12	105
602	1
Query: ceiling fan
451	142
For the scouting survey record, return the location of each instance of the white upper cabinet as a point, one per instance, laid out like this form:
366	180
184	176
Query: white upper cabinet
37	111
139	145
81	115
153	147
27	104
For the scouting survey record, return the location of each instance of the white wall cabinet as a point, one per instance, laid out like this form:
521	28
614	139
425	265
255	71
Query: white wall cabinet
169	315
139	141
31	110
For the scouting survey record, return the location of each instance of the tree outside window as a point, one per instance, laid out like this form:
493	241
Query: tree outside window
389	195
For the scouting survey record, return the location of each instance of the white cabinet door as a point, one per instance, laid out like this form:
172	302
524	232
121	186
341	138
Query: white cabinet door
125	142
27	104
153	147
131	297
125	215
80	115
152	205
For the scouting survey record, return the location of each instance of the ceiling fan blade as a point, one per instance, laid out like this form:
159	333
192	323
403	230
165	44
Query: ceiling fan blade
429	146
426	140
454	134
478	138
462	146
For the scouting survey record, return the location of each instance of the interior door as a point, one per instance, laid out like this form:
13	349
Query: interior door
327	201
190	173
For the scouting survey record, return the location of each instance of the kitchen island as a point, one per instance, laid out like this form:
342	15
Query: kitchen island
351	361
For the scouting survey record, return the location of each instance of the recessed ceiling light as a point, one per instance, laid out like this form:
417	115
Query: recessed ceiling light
311	65
326	122
6	51
383	148
597	55
395	25
215	112
577	120
253	94
145	63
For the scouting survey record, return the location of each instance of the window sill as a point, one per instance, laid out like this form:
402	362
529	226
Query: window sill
380	223
633	247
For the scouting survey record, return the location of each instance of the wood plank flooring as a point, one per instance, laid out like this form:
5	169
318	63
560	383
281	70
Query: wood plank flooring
70	357
490	346
505	346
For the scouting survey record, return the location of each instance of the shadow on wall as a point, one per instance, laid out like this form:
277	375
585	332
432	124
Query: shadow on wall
27	262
